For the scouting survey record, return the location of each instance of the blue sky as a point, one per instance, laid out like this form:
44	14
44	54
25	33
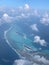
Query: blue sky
38	4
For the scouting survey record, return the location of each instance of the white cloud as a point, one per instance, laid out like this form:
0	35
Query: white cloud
7	18
26	6
21	62
34	27
41	59
45	19
40	41
37	59
5	15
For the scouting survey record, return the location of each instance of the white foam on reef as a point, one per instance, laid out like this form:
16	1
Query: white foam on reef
6	39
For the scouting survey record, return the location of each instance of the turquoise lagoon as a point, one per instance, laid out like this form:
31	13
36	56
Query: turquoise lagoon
18	42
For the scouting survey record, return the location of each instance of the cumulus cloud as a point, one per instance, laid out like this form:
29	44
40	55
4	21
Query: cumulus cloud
34	27
26	6
7	18
41	59
40	41
45	19
37	59
26	12
17	14
21	62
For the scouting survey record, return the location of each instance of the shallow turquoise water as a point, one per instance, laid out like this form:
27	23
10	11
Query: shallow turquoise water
18	41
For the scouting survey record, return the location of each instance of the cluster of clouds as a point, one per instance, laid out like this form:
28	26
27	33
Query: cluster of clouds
37	38
37	60
41	59
6	19
21	62
24	12
20	12
42	42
